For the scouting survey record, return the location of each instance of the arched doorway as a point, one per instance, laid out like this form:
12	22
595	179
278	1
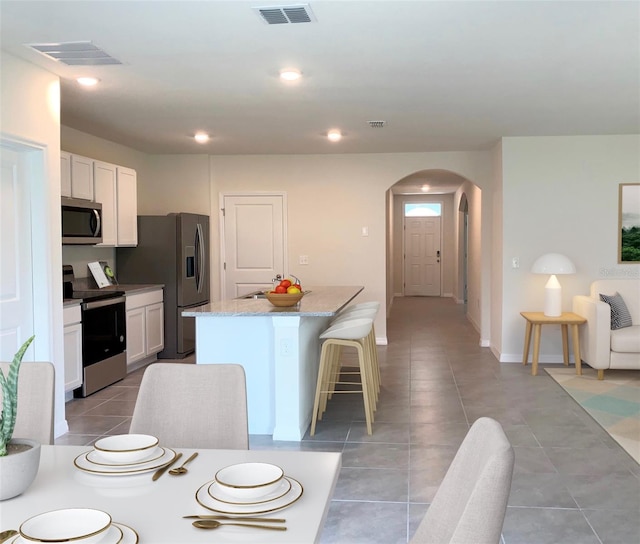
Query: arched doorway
460	239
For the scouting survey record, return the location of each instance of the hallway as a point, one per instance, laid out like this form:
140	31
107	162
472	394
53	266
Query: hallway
572	483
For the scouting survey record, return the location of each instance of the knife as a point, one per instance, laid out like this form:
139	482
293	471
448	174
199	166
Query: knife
162	470
239	518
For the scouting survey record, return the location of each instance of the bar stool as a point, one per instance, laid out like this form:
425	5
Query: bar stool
359	306
366	312
351	333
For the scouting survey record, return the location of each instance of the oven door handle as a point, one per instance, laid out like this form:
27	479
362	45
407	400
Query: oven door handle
101	303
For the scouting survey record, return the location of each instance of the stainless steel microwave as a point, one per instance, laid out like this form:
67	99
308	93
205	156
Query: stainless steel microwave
81	221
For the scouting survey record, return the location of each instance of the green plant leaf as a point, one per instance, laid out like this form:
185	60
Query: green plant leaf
9	385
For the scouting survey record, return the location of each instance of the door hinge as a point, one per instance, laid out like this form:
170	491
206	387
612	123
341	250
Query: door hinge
224	266
223	211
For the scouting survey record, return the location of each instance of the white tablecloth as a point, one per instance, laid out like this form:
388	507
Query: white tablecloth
155	509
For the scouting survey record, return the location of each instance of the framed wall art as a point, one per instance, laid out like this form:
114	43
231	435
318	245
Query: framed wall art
629	223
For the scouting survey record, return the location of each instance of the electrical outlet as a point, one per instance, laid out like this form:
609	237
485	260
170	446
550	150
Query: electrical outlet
285	348
303	259
515	262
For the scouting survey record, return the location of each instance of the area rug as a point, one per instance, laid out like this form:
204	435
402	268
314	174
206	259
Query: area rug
613	402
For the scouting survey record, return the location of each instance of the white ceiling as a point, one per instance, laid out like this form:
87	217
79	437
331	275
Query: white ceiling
444	75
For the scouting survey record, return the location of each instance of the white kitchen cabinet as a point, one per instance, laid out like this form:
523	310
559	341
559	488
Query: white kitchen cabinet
65	174
81	177
116	189
104	181
127	206
154	321
136	334
145	327
72	318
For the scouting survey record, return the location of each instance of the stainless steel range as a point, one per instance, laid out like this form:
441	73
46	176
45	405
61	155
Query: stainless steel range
104	336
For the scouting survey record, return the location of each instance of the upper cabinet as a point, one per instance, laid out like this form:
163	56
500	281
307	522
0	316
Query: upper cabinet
65	174
115	187
116	190
105	189
127	205
76	176
81	177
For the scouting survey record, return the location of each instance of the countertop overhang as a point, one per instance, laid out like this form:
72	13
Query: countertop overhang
323	301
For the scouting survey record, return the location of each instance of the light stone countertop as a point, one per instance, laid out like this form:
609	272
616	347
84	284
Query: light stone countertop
317	302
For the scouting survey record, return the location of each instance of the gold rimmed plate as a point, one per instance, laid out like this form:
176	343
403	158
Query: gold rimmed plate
217	492
117	533
81	462
95	458
207	501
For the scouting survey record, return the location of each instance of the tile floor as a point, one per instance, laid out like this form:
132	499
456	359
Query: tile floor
572	483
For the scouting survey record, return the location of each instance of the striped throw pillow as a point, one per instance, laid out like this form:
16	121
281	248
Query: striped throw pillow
620	316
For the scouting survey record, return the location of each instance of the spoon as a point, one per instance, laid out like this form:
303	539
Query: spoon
5	535
213	524
181	470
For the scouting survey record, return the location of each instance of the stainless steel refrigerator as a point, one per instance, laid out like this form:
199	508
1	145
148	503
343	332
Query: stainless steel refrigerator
173	250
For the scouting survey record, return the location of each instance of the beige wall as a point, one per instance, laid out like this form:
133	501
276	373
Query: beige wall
560	194
30	114
330	199
497	254
81	143
176	183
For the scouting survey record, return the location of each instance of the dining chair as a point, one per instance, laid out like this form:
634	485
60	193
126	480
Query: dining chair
193	405
471	502
34	418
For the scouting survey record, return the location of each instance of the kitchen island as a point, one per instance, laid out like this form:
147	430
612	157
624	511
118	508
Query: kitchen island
279	350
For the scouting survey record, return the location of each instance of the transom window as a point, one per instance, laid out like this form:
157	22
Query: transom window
423	209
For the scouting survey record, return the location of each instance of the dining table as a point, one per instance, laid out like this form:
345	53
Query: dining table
155	509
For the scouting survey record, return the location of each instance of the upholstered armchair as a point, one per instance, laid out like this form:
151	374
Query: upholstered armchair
611	336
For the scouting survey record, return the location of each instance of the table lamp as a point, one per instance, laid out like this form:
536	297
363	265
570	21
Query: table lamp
553	263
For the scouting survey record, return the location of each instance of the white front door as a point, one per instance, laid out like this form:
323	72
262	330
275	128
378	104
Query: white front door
254	235
16	284
422	256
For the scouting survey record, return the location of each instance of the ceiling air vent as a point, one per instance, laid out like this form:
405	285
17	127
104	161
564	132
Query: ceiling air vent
377	124
282	15
75	53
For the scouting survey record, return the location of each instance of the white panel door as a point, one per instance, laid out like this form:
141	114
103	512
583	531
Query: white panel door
16	284
254	242
422	256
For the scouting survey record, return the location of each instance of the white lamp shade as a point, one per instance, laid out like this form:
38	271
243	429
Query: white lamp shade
553	263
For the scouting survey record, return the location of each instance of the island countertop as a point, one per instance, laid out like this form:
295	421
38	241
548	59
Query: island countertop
317	302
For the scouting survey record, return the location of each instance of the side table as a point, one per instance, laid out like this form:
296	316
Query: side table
535	320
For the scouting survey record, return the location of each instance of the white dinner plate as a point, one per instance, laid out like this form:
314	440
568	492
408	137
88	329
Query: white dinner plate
95	458
206	500
84	464
217	492
116	534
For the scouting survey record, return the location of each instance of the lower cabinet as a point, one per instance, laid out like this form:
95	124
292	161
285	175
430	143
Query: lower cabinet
145	327
72	318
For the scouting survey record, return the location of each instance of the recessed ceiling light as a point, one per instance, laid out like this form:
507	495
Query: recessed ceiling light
201	137
87	81
334	135
290	74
